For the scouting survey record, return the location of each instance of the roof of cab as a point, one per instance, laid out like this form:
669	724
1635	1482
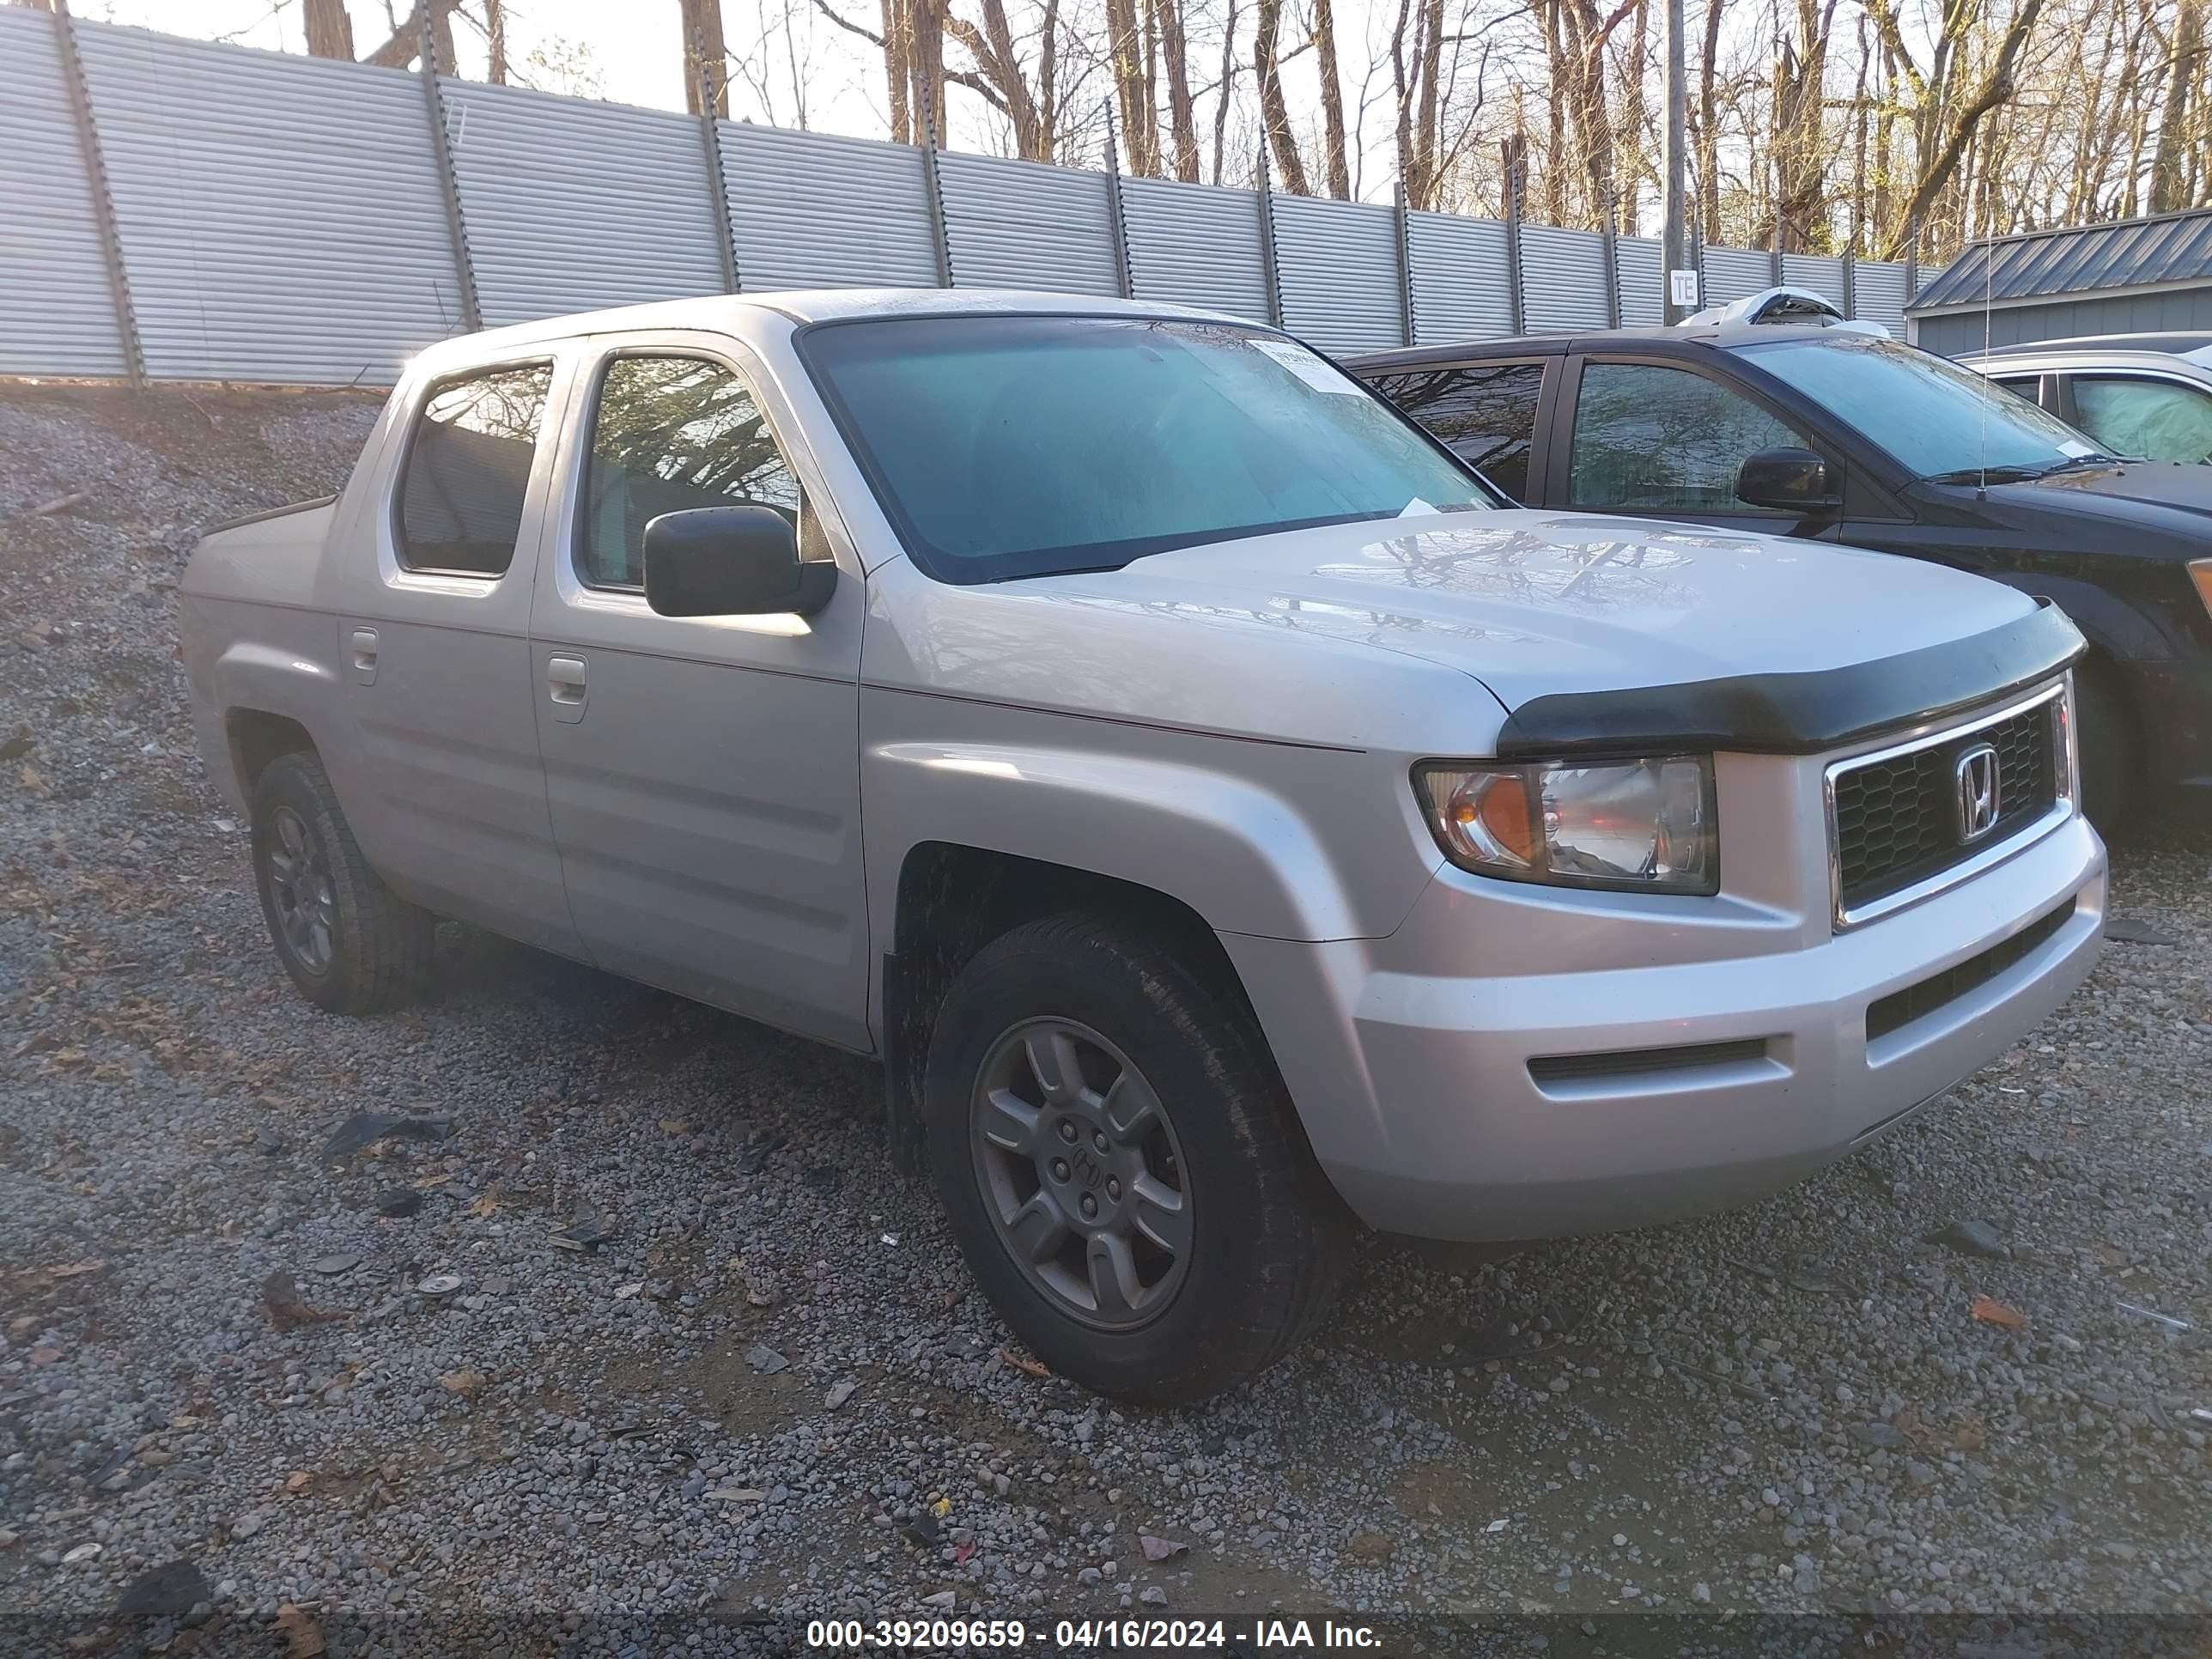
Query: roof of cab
1609	339
797	306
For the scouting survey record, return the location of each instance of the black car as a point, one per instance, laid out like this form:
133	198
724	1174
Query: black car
1804	425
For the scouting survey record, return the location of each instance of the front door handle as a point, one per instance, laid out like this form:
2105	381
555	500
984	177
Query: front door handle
361	651
564	685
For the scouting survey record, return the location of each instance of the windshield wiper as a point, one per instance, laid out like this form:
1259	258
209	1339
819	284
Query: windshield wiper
2013	472
1966	475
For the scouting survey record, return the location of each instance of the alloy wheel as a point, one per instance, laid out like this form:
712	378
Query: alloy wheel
299	881
1081	1173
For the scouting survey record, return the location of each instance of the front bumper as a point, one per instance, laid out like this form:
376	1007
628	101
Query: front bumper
1732	1059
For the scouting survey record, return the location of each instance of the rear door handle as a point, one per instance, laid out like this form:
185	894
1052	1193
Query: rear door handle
564	686
362	650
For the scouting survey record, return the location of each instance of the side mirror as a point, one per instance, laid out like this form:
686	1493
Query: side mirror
1793	480
730	562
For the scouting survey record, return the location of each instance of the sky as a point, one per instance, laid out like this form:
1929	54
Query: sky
634	51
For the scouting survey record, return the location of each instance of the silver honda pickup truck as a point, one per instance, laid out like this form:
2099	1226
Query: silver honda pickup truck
1227	819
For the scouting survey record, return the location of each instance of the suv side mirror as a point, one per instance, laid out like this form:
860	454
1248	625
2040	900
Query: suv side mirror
730	562
1793	480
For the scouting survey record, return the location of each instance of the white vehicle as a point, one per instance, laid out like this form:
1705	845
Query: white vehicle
2145	395
1222	813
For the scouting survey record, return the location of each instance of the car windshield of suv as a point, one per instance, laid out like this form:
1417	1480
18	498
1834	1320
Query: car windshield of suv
1003	445
1939	421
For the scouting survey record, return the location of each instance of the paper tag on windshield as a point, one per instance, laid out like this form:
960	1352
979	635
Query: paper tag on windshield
2075	447
1417	508
1309	368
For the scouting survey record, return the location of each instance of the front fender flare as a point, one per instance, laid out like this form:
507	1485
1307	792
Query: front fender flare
1237	853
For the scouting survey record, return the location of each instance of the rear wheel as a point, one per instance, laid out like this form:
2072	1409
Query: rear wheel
349	943
2104	736
1121	1166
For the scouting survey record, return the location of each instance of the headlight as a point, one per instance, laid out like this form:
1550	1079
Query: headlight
1644	826
2200	571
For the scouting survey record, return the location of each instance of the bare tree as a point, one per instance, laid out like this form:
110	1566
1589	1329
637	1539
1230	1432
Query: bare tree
1942	135
1274	110
1182	112
2168	189
1800	153
330	30
1133	87
495	41
1031	104
1331	101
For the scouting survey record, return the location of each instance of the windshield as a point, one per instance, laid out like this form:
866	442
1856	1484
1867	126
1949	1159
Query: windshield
1936	420
1005	446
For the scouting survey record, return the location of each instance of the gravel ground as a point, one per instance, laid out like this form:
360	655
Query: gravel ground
772	1395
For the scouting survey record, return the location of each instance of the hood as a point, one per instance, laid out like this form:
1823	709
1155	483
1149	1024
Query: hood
2117	489
2151	483
1535	603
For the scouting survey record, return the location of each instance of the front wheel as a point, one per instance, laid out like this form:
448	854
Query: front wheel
2105	738
349	943
1121	1167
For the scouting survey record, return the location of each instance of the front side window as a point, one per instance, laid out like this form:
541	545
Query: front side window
468	470
1485	413
2158	420
1652	438
671	433
1004	447
1939	421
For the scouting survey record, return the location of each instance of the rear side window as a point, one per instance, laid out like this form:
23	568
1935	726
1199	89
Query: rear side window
468	469
1665	439
671	433
1485	413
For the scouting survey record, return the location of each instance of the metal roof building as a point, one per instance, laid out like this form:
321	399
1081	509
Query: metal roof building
2136	276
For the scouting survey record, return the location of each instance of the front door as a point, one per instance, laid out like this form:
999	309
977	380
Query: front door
445	792
2155	416
703	773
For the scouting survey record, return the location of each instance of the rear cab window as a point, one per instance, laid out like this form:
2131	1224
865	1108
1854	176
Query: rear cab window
1485	413
462	484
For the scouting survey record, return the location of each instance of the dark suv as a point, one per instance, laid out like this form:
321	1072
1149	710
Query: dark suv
1813	426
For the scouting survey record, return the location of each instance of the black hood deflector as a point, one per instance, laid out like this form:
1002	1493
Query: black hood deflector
1796	714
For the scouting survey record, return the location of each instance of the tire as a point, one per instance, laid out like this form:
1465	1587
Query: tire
1262	1239
2105	736
350	944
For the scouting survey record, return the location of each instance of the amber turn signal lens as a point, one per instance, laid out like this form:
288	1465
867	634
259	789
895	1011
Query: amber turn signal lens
1501	809
2200	571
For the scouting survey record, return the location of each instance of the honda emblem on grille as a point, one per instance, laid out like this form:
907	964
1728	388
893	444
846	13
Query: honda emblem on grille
1977	775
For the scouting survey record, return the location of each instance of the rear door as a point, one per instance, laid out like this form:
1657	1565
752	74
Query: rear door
703	773
1486	413
434	644
1657	438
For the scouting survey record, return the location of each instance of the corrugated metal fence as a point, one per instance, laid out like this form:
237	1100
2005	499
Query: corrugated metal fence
199	212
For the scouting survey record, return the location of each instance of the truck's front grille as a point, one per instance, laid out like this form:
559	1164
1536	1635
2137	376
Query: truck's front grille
1898	815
